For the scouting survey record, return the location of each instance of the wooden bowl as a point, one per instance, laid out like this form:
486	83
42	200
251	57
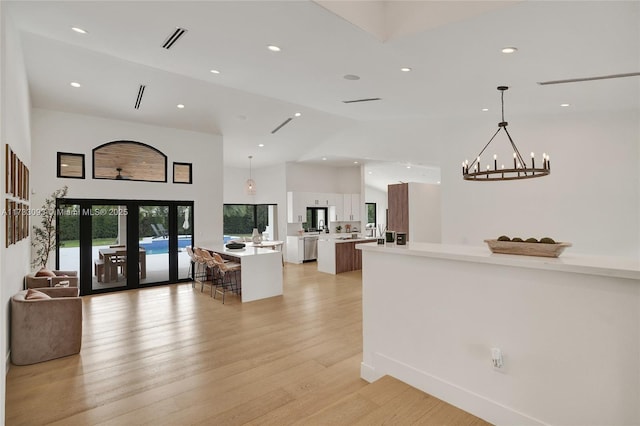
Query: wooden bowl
527	249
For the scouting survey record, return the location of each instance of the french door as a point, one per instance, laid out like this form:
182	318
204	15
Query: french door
124	244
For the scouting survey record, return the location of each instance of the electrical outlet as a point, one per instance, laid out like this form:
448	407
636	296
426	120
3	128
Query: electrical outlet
496	358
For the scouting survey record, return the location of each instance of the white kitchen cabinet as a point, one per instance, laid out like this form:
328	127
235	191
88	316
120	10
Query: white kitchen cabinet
351	203
296	207
336	213
295	249
320	199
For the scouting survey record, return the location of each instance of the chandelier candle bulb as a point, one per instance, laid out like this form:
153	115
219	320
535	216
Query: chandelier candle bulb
533	161
495	162
514	160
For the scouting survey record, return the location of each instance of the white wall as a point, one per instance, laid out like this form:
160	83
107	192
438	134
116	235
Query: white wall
570	341
55	131
303	177
425	207
14	130
591	197
373	195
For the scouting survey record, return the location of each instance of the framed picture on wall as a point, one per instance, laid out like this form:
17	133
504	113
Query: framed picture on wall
12	225
7	218
18	216
26	184
19	181
7	166
70	165
182	173
14	158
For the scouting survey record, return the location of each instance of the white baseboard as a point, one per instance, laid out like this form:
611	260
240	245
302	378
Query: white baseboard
368	373
476	404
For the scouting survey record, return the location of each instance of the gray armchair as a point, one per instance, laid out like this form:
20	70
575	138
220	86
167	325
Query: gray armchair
46	329
33	281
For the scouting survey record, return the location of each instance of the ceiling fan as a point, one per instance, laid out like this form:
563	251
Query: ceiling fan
119	176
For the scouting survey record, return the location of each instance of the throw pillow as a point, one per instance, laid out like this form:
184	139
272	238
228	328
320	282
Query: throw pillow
36	295
43	272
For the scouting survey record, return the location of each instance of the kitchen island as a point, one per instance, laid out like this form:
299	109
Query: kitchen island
568	329
261	274
337	253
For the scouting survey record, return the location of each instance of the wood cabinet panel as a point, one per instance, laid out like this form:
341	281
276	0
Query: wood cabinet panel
398	205
348	258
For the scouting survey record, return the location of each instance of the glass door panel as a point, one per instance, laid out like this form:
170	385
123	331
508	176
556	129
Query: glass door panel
108	246
68	237
153	235
185	238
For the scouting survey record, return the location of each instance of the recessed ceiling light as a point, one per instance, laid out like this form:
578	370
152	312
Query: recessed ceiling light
565	105
351	77
355	162
180	106
324	158
215	72
370	173
79	30
509	49
485	109
408	167
260	145
74	84
64	165
273	48
438	182
297	114
405	69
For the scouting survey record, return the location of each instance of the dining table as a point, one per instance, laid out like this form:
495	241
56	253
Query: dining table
107	254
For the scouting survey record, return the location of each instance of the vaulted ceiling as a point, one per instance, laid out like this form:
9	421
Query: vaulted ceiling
452	48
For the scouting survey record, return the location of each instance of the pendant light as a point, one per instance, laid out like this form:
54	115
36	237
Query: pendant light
520	170
250	184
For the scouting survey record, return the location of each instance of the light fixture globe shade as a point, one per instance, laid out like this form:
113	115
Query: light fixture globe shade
250	187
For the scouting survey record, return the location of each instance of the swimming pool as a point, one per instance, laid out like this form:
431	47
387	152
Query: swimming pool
161	245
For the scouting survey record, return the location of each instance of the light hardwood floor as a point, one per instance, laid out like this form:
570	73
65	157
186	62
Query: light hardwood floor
172	355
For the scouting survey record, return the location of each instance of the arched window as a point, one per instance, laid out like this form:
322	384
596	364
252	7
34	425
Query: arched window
129	160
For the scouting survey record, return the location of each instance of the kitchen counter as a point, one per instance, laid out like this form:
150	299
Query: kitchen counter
607	266
568	329
336	255
261	274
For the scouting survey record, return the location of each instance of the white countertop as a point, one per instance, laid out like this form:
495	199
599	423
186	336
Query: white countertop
344	239
247	251
608	266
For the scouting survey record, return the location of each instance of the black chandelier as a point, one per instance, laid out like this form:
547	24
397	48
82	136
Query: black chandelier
520	169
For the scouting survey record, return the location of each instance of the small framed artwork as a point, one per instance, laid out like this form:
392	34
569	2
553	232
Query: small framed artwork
8	224
7	165
70	165
12	226
26	185
14	160
18	216
182	173
19	185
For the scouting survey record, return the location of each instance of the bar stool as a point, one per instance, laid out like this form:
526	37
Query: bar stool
226	270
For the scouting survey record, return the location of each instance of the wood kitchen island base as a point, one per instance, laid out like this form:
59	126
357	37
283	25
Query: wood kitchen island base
337	255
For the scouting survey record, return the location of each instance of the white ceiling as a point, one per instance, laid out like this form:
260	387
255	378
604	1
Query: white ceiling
453	48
